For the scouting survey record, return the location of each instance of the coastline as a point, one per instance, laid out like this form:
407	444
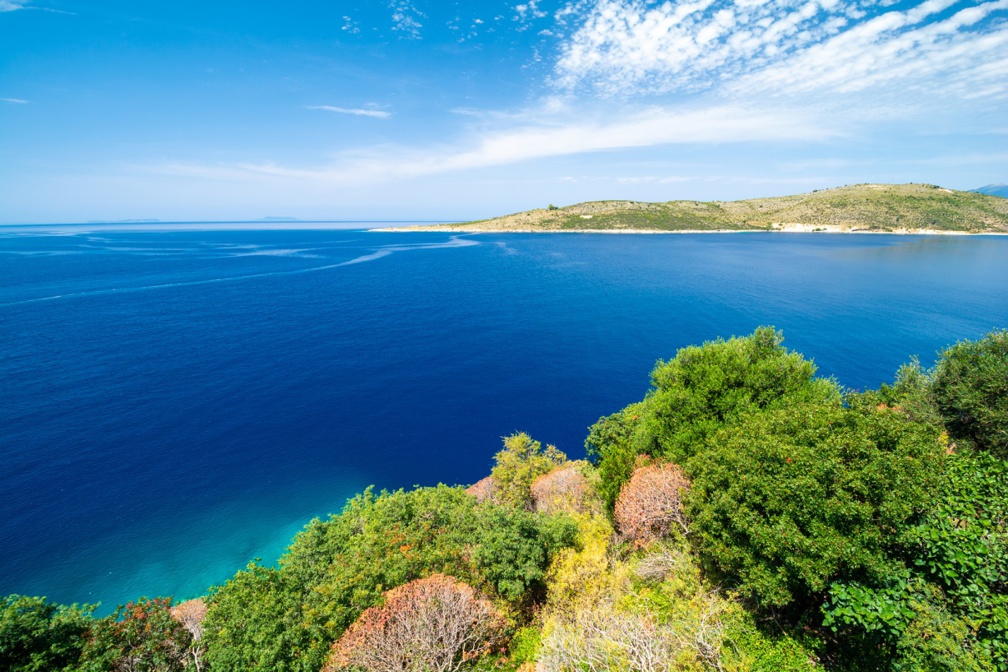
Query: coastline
786	228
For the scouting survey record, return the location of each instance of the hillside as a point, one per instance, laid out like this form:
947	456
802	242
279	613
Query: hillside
882	208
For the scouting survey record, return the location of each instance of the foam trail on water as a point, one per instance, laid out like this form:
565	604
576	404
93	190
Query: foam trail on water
455	241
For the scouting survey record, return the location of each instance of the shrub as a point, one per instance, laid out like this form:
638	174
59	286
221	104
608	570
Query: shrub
971	389
191	615
611	446
788	501
962	546
436	623
258	621
906	623
518	465
483	490
650	505
605	619
566	489
601	639
285	619
36	634
696	394
706	388
141	636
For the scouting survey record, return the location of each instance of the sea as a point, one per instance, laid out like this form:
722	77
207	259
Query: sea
179	400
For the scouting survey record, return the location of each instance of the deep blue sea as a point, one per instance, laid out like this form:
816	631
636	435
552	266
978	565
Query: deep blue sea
175	403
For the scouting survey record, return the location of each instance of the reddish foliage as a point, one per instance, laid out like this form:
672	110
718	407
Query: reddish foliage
563	489
433	624
650	503
482	490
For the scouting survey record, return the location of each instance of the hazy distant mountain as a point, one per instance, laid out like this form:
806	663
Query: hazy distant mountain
994	190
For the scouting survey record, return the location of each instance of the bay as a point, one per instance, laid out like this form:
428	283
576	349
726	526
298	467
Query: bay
179	401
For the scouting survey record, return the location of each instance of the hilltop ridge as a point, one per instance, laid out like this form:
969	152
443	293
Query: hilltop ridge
862	208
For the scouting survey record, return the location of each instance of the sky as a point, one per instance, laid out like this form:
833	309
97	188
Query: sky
422	110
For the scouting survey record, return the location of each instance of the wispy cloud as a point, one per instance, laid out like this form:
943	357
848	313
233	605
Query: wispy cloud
406	18
350	26
786	47
355	111
539	139
18	101
12	5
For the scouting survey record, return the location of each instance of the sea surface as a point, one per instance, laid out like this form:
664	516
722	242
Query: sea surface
177	402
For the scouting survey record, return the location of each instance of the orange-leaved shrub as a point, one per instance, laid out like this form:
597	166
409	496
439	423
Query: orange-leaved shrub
650	505
191	614
565	489
436	624
483	490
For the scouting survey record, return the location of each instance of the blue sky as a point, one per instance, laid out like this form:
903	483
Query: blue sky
406	109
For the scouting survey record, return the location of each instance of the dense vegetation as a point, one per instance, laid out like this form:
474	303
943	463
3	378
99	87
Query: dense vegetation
745	515
863	207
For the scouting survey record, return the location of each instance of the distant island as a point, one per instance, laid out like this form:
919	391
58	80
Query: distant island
862	208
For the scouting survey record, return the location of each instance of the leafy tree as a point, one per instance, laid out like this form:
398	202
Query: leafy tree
141	636
696	394
971	389
706	388
788	501
37	635
436	624
518	465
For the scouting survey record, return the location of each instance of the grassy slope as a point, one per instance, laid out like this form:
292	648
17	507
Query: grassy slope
865	207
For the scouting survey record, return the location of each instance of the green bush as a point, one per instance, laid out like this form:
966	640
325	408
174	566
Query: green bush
787	501
518	465
36	634
335	569
610	445
699	392
705	388
767	647
971	388
962	546
905	626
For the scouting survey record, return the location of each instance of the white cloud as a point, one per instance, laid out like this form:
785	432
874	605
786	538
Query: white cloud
539	139
895	54
355	111
406	18
18	101
350	26
785	47
12	5
528	10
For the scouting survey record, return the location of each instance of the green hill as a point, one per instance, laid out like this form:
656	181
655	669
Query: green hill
901	208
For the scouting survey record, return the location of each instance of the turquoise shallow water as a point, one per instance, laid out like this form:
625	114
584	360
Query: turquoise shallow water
176	403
